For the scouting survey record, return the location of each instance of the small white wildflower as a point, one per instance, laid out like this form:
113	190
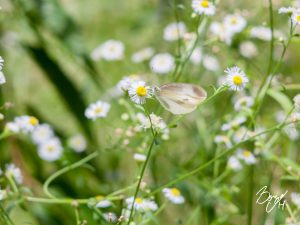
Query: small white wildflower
162	63
223	139
234	163
127	81
12	171
291	132
110	217
236	78
138	92
51	150
196	56
261	32
286	10
26	123
142	55
77	143
234	23
139	203
296	18
110	50
174	195
221	32
150	205
203	7
1	62
244	102
174	31
295	197
12	127
241	134
104	204
211	63
297	102
42	133
96	110
2	78
248	49
246	156
2	194
139	157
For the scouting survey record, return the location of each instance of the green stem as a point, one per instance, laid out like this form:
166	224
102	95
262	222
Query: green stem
65	170
219	156
141	177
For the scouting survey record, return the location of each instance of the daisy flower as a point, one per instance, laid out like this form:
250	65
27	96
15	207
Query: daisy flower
110	217
211	63
12	171
261	32
1	62
42	133
12	127
196	56
139	157
248	49
174	31
2	78
235	23
96	110
77	143
234	163
50	150
174	195
138	92
286	10
244	102
162	63
126	82
236	78
139	203
26	124
2	194
142	55
203	7
296	18
246	156
297	101
104	204
295	197
110	50
223	139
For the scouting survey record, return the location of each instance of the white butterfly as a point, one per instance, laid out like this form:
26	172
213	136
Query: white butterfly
180	98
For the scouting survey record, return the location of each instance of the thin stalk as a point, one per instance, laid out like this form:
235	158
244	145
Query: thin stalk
221	155
141	177
65	170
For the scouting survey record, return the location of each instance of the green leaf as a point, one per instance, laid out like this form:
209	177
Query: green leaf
64	86
282	99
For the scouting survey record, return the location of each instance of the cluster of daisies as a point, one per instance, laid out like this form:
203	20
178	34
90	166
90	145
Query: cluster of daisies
293	12
43	136
11	172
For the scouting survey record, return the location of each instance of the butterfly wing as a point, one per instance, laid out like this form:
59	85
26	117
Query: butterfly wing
180	98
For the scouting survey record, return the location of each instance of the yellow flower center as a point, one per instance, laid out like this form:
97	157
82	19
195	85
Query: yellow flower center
141	91
33	121
138	200
50	149
234	20
204	4
298	18
98	110
246	153
99	197
175	192
237	80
